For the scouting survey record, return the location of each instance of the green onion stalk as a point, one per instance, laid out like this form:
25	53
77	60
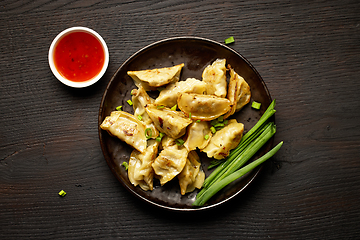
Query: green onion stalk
250	143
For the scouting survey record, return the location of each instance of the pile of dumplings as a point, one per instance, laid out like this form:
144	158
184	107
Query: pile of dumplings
166	132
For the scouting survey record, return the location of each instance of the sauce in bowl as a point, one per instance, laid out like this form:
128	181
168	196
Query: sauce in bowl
79	56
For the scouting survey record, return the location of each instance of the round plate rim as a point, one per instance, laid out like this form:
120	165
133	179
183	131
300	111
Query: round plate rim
147	47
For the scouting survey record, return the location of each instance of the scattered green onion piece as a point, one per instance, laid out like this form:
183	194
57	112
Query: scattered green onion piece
160	106
190	115
148	133
221	118
161	135
179	142
198	121
130	102
256	105
174	107
214	122
126	165
213	130
206	137
139	117
226	122
229	40
118	108
219	125
132	92
62	193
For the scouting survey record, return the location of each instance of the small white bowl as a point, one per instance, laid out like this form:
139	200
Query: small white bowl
73	83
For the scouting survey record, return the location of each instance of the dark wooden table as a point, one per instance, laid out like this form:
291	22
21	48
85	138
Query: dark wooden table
308	53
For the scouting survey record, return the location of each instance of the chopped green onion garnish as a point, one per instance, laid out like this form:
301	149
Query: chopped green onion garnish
148	133
213	130
160	137
130	102
198	121
174	107
126	165
206	137
190	115
179	141
219	125
221	118
132	92
256	105
229	40
214	122
160	106
226	122
62	193
118	108
139	117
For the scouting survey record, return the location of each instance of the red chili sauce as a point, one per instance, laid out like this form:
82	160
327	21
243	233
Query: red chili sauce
79	56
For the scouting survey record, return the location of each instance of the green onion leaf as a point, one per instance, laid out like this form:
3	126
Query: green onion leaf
126	165
213	130
62	193
139	117
221	125
174	107
190	115
118	108
148	133
161	135
206	137
229	40
226	122
233	176
160	106
256	105
214	122
221	118
130	102
179	142
198	121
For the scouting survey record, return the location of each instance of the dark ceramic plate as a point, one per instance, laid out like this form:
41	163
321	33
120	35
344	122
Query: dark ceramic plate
196	53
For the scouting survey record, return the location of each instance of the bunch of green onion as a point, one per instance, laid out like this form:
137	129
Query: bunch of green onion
232	168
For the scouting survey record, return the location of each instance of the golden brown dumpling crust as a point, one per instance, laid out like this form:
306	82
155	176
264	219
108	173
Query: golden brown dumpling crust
153	78
224	140
215	77
203	107
127	128
172	123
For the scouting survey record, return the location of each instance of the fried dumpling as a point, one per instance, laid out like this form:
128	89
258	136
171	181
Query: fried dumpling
192	176
167	141
140	99
172	123
196	135
203	107
170	162
215	77
153	78
127	128
238	92
168	96
140	169
224	140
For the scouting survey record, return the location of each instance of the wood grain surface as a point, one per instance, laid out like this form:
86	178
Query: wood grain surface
308	53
